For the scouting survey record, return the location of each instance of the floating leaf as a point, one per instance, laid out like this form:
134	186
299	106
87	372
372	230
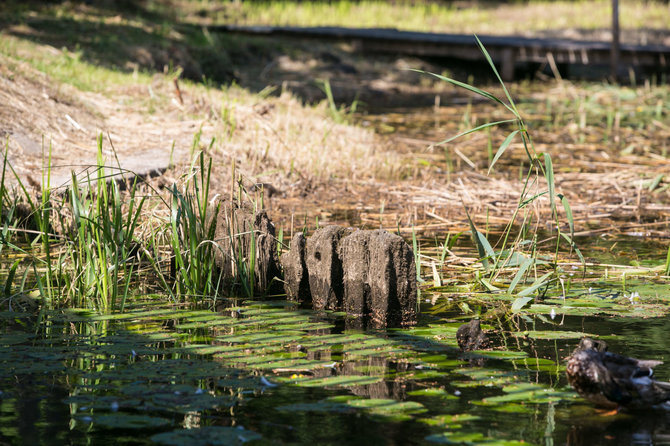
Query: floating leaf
520	302
456	438
527	392
499	354
462	438
387	408
433	392
129	421
553	334
340	380
207	436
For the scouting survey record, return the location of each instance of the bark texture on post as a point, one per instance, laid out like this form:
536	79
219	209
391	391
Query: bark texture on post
324	267
371	275
236	228
296	279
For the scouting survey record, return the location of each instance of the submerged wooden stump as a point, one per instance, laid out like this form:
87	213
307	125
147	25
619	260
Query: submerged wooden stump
296	279
324	267
379	278
237	230
369	274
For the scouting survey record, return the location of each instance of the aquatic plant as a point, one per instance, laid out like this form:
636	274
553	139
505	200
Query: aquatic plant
91	248
510	252
192	228
98	263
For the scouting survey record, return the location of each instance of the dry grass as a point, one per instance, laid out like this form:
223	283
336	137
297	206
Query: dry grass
270	139
325	168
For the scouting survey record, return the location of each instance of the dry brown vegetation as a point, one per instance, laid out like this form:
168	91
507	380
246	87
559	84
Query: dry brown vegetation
609	144
273	139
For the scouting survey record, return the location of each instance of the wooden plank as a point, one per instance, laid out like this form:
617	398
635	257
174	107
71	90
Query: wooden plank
505	50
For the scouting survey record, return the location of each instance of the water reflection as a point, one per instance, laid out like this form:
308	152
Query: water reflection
639	429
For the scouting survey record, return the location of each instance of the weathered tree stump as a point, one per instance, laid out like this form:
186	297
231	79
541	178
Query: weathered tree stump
355	253
324	267
379	277
236	228
369	274
295	270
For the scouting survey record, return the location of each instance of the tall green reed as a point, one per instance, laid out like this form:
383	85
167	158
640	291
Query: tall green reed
101	242
343	114
508	254
193	223
85	247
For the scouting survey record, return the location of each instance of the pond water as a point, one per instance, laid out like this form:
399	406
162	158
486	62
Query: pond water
270	372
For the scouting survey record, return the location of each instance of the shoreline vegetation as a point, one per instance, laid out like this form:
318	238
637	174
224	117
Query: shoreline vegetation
76	92
555	18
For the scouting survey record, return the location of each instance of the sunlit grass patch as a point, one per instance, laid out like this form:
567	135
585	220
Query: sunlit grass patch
434	16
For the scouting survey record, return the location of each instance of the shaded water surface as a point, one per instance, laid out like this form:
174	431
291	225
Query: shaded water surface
274	373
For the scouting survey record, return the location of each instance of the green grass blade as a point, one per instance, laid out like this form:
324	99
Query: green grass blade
483	246
511	105
529	200
476	129
520	302
417	256
574	246
549	175
539	282
502	148
468	87
568	213
10	277
519	274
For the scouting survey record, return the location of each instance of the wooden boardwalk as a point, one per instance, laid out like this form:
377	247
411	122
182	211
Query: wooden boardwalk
507	51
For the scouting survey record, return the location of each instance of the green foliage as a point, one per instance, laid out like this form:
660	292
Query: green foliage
343	114
494	260
99	249
192	230
93	259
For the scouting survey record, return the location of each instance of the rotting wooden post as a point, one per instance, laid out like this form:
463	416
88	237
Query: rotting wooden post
507	64
615	49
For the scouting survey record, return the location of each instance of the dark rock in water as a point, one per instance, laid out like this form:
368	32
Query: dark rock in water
325	267
471	337
236	226
296	279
